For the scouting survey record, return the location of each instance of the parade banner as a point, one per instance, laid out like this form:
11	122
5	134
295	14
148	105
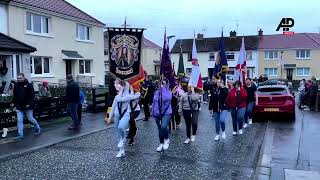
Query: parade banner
124	52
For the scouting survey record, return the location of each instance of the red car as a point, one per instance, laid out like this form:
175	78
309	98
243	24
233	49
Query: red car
274	100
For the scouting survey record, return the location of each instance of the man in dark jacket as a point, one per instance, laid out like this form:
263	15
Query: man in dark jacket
73	99
147	91
313	94
23	99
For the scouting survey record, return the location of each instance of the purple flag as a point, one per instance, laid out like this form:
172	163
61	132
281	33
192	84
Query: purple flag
165	64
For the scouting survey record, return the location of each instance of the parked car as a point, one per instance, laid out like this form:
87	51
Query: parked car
274	99
274	82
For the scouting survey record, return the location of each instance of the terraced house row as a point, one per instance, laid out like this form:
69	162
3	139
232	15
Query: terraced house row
299	54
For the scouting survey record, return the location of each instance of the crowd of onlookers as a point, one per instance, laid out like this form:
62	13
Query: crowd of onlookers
308	93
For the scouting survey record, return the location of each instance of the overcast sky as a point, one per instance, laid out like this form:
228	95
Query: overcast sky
181	17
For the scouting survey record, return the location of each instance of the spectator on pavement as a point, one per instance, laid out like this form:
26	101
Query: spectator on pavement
237	101
121	113
251	89
190	109
302	93
81	103
162	112
73	99
23	99
219	108
313	94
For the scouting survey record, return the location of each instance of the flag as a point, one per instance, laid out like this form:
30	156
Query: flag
165	64
240	72
135	81
181	64
221	64
195	77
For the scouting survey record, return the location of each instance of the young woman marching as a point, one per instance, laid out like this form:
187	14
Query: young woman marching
251	89
219	108
189	106
121	114
162	111
237	101
134	113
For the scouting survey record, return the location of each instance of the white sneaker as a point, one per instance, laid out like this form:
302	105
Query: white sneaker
250	121
245	125
217	137
166	144
120	154
159	149
240	131
5	132
223	135
187	141
121	143
234	133
127	130
193	138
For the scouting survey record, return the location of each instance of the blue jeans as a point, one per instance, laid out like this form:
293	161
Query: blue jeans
301	98
237	118
220	119
121	125
249	110
163	127
73	111
30	117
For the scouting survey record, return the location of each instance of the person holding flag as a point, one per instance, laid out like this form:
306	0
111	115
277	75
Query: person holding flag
240	72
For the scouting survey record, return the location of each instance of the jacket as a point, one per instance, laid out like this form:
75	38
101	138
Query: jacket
185	104
82	98
121	103
73	92
218	99
147	91
237	99
162	99
23	96
134	101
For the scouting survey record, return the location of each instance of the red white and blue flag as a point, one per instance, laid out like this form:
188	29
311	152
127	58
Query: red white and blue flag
240	72
195	78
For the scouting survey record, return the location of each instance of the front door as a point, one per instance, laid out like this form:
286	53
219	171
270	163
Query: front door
68	67
289	74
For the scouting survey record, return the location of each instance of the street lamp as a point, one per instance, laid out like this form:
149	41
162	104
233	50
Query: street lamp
169	37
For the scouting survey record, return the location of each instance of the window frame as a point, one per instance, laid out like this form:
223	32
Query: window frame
87	32
212	54
299	52
44	20
303	70
85	68
274	70
249	52
273	53
230	53
32	66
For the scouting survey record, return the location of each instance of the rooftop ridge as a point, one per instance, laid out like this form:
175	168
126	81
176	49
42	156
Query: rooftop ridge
315	40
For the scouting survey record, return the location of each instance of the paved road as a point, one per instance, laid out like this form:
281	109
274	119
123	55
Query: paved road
93	156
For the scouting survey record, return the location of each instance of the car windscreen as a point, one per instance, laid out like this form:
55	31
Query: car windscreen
272	91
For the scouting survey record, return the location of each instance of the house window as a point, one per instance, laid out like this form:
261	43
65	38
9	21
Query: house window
106	52
270	55
249	56
83	32
37	23
40	65
303	71
211	56
271	71
230	56
189	56
188	70
303	54
106	67
84	66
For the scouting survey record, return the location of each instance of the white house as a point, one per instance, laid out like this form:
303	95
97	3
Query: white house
68	41
207	47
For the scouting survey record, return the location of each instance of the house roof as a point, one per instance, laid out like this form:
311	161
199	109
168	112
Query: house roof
61	7
146	43
298	40
8	43
212	44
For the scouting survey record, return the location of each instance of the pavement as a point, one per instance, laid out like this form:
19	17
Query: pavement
90	154
291	149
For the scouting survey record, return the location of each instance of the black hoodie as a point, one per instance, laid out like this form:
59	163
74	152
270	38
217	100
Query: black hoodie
218	99
23	96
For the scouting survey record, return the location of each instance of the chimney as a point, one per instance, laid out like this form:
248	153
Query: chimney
200	36
233	34
260	33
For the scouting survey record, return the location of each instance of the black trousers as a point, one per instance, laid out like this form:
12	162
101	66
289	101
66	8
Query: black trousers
175	119
146	109
132	125
191	119
79	112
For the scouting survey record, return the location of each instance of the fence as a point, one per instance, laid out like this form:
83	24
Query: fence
99	100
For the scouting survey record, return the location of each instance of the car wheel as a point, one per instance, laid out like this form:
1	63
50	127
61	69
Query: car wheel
255	118
292	116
